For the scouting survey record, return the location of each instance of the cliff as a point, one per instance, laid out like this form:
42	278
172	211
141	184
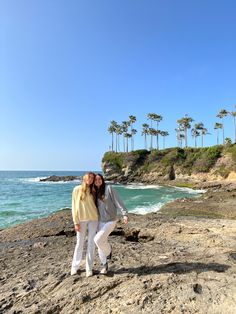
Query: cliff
172	164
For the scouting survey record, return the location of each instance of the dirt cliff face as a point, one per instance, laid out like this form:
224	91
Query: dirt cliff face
192	164
159	265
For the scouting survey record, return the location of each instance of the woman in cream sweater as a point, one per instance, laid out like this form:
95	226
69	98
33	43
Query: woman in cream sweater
85	215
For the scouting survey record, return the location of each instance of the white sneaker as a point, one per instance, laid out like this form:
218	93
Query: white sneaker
73	271
104	269
89	273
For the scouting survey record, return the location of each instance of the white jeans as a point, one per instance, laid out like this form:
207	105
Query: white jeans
77	257
101	239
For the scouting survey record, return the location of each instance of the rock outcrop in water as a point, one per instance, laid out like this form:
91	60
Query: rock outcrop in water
55	178
159	265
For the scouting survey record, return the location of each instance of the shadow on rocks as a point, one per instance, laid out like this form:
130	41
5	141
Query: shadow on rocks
178	268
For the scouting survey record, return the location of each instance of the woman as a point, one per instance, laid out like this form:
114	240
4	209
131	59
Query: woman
85	215
107	202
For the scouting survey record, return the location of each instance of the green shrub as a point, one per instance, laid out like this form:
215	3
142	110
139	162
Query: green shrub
114	158
207	158
155	155
232	150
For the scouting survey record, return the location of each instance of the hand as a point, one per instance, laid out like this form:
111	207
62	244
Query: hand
77	227
126	220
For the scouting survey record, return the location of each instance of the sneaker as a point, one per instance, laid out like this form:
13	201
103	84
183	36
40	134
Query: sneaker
89	273
73	271
104	269
110	255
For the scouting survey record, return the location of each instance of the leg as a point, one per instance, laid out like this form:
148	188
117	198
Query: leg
92	229
77	257
101	240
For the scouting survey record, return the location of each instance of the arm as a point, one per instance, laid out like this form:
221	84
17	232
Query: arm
118	203
74	211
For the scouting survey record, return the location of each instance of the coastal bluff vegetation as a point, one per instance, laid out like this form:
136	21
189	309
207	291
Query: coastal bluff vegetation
172	165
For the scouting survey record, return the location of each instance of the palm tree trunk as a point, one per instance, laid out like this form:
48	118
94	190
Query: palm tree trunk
127	145
145	141
223	133
151	138
118	142
217	136
124	143
112	142
234	129
185	137
195	141
157	136
202	140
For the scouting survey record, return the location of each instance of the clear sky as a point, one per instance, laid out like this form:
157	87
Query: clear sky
67	68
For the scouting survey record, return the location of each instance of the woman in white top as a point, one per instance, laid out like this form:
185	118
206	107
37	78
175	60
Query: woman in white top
108	201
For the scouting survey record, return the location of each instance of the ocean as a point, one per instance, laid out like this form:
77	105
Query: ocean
23	197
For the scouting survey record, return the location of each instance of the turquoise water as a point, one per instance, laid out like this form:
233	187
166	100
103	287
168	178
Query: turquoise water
23	197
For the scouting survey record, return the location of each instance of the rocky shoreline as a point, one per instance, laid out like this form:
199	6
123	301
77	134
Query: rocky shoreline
164	262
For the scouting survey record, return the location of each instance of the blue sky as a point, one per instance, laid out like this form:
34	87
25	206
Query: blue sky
67	68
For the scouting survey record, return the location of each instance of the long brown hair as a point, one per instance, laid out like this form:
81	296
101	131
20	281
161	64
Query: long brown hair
87	188
100	192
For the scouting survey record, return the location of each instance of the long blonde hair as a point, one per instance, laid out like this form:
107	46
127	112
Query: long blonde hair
87	188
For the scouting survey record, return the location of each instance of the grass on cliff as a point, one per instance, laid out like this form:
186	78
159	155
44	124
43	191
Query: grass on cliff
119	159
188	160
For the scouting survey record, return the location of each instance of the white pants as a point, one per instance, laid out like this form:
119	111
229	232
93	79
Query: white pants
92	228
101	239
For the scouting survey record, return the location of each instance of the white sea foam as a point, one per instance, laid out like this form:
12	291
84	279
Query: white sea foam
189	190
143	210
37	179
136	197
140	186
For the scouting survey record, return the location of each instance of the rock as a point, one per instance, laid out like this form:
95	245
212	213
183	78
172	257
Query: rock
39	245
159	265
60	178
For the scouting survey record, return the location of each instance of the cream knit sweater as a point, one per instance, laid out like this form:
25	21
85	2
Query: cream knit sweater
83	210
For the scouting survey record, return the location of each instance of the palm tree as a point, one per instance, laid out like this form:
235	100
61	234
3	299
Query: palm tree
157	118
185	124
151	132
145	132
204	132
228	141
233	114
164	134
112	129
124	126
132	119
217	127
195	134
179	136
150	116
133	132
118	131
223	113
127	136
